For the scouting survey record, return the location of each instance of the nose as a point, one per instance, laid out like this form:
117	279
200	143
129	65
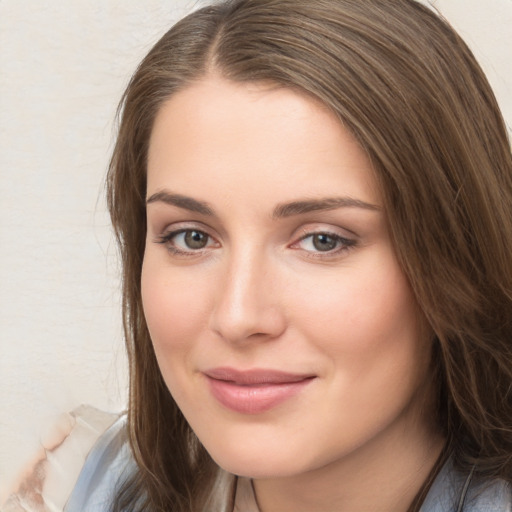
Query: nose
247	304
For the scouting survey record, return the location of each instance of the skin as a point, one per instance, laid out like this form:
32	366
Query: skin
264	293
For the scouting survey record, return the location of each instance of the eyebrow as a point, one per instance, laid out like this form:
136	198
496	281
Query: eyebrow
312	205
185	202
280	211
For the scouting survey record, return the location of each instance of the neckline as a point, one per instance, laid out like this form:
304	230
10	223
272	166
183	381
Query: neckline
448	491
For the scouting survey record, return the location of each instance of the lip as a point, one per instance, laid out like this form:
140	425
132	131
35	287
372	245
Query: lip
254	391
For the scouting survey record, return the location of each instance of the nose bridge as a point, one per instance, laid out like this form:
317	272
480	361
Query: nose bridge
246	304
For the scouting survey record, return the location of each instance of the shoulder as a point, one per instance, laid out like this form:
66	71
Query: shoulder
107	465
458	492
48	479
488	496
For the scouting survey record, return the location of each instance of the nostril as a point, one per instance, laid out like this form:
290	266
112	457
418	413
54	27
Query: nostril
248	325
247	306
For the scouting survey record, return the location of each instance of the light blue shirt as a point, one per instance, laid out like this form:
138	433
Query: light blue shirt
110	463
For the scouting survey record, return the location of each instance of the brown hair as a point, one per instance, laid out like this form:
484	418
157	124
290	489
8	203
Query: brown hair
411	92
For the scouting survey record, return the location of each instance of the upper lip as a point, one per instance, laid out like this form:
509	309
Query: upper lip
255	376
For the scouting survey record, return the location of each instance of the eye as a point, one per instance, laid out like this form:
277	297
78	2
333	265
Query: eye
323	242
186	241
192	239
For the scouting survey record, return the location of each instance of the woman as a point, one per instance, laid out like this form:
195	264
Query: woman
313	202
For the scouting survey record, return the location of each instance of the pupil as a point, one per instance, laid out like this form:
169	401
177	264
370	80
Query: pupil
196	239
324	242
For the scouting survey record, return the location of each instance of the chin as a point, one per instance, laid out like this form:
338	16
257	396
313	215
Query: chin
259	462
258	469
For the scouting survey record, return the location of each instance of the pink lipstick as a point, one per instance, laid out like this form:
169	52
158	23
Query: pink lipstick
254	391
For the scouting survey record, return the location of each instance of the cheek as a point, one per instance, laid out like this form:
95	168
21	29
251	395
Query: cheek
370	330
174	306
366	320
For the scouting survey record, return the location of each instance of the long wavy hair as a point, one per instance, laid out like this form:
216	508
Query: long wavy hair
410	91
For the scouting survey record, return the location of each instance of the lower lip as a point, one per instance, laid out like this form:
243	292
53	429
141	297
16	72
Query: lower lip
254	399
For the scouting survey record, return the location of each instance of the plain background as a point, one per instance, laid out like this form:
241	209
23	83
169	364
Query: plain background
63	67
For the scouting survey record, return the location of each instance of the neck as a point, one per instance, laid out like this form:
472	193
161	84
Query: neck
384	475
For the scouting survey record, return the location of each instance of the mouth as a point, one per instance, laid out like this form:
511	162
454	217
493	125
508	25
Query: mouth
254	391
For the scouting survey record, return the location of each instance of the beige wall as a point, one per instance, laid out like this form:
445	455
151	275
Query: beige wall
63	66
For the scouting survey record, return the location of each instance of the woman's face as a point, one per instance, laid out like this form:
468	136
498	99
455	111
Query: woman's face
282	322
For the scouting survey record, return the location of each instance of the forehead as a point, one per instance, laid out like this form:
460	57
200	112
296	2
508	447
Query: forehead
258	136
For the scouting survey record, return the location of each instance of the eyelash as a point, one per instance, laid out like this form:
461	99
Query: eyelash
342	244
167	240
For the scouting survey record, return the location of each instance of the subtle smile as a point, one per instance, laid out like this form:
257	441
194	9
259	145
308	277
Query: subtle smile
254	391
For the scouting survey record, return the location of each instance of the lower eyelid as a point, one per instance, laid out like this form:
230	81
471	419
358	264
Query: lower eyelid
343	246
167	237
339	238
